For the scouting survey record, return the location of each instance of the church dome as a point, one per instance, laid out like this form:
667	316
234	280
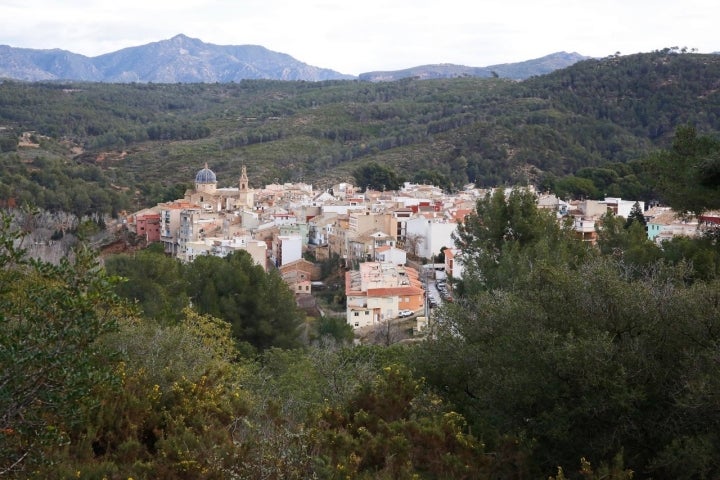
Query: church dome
205	176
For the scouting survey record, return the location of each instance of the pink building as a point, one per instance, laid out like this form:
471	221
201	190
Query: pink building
148	226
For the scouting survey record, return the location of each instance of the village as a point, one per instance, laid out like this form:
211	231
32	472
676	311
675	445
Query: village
396	247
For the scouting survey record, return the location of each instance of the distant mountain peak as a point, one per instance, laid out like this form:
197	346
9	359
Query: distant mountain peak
181	37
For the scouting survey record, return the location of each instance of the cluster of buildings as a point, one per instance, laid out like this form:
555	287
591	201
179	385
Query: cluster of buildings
278	224
373	234
662	223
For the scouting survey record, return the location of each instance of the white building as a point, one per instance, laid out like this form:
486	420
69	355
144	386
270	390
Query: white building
343	208
454	267
391	254
621	207
286	249
430	234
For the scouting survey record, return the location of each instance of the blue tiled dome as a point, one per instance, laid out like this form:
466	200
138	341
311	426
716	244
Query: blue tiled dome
205	176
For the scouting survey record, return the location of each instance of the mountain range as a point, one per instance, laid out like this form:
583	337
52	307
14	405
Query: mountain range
182	59
515	71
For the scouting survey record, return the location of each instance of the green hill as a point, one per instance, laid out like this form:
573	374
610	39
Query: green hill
148	138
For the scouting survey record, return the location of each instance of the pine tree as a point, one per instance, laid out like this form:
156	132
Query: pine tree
636	215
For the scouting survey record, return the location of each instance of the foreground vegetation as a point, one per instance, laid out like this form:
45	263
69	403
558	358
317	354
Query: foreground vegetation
556	359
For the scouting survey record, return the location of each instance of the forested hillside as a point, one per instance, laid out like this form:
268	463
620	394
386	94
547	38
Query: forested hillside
145	139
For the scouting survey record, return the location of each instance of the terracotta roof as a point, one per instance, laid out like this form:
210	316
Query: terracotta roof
180	205
393	291
295	263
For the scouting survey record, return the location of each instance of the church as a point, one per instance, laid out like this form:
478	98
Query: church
213	199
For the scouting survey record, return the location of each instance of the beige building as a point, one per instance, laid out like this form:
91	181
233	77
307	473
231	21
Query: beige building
299	275
668	224
359	222
363	247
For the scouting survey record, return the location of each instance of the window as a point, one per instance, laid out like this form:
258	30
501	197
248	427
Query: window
357	314
357	324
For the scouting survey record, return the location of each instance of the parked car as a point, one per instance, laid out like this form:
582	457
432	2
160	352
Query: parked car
405	313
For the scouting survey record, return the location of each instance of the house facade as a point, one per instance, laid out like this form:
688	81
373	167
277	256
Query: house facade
148	226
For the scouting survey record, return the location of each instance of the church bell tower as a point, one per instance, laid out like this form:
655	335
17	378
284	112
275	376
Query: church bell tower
244	197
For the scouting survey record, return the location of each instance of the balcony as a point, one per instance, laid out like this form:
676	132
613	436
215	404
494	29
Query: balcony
584	226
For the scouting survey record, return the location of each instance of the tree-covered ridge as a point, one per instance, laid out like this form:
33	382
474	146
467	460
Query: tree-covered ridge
635	91
490	131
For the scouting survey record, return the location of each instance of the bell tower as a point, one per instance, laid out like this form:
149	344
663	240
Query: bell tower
244	180
245	196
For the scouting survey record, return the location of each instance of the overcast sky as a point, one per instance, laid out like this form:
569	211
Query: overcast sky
355	36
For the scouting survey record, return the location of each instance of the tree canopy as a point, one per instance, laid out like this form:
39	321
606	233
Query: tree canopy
51	363
587	363
687	175
577	353
506	237
377	177
259	305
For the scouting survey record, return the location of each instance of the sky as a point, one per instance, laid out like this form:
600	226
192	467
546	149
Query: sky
356	36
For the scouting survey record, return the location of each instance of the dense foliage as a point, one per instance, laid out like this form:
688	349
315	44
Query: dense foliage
259	305
51	364
375	176
688	174
154	281
90	390
581	353
57	185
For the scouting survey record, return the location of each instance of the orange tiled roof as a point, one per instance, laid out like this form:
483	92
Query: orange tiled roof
393	291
